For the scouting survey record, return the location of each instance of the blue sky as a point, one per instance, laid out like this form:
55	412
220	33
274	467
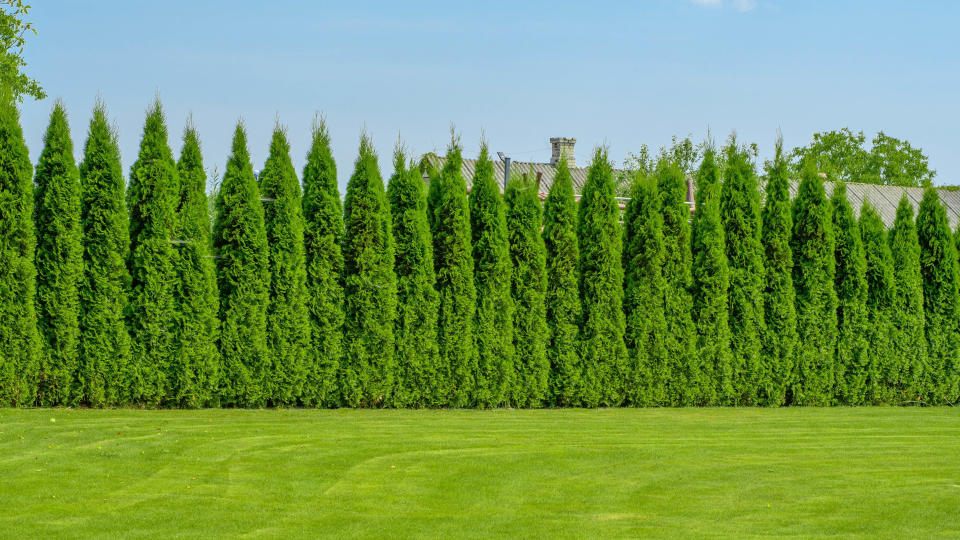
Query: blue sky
614	73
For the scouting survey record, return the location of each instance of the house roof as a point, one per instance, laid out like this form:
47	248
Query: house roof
884	198
546	171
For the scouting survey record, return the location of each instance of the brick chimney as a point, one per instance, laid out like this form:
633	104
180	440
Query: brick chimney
563	145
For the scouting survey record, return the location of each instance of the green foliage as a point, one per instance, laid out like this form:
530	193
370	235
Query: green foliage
852	366
650	370
497	375
880	358
20	347
816	300
288	320
13	31
909	351
740	213
711	280
195	367
780	316
449	217
938	268
842	156
243	277
151	200
686	384
563	293
104	341
323	233
59	263
370	286
415	332
599	234
529	289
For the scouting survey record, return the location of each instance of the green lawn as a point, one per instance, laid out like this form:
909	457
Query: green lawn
868	473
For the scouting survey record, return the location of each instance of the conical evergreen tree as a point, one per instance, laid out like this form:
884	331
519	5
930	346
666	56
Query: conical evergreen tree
19	340
370	286
59	263
243	276
323	233
563	295
601	287
449	217
288	320
938	267
816	300
151	200
529	289
909	351
650	370
415	331
686	382
497	375
880	293
852	366
196	365
711	279
780	316
740	213
104	341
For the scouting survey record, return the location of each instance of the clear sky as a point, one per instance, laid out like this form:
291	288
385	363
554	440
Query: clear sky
614	73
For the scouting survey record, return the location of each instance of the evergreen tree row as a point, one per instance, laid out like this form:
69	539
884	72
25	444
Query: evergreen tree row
414	294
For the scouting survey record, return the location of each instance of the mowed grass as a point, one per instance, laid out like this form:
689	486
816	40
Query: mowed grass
866	472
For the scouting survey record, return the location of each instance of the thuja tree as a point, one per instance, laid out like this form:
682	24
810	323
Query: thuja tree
59	263
288	320
19	340
816	300
649	370
104	341
415	331
492	271
151	200
780	316
529	285
497	374
909	350
323	232
686	383
195	366
449	217
740	212
370	286
563	297
938	268
880	359
711	279
851	367
599	234
243	277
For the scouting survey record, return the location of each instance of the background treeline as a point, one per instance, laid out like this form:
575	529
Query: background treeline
124	291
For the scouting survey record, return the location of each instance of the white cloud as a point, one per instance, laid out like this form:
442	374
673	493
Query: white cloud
742	6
